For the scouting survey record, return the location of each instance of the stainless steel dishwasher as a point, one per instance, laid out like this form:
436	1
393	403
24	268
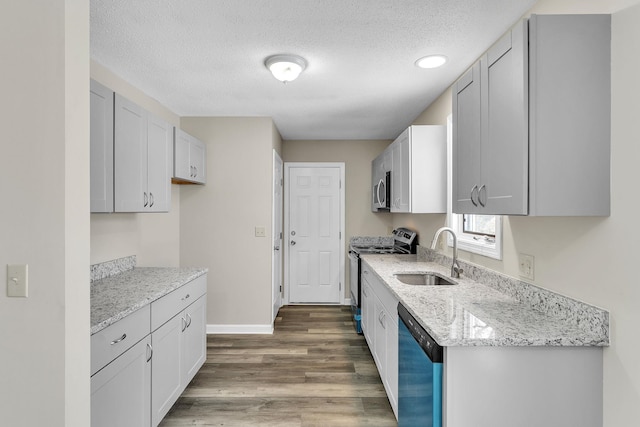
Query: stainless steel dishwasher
419	374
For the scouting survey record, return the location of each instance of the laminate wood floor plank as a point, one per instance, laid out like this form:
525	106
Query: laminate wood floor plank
314	370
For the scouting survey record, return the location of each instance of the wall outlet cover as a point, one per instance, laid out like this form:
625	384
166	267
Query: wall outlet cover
526	266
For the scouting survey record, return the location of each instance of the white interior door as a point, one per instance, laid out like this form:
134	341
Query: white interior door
276	233
313	237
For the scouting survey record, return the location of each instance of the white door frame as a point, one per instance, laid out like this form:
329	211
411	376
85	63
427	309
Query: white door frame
285	230
276	254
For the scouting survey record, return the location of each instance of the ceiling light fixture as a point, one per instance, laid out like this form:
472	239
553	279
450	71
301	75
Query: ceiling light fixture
431	61
285	68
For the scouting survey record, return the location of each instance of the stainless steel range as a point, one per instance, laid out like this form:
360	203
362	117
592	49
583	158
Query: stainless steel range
402	241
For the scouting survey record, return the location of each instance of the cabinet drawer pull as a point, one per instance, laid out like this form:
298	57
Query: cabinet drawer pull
184	324
149	352
480	195
186	297
364	291
195	173
473	190
146	200
188	323
151	199
119	339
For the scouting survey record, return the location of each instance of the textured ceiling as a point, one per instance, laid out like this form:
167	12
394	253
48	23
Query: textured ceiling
206	57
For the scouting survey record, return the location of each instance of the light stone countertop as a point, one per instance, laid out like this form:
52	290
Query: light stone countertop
473	314
114	297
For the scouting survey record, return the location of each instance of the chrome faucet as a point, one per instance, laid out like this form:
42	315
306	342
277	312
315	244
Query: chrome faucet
455	267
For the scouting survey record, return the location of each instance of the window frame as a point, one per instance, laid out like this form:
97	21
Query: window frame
467	241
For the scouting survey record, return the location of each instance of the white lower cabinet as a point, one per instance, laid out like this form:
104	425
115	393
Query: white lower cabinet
136	385
380	327
179	351
121	391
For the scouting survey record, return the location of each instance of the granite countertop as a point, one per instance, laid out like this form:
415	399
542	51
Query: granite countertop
474	314
117	296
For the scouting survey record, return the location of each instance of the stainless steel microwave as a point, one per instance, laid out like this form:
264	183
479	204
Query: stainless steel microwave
382	194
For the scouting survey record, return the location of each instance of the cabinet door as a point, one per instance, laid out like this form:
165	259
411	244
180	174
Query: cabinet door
101	137
120	392
198	156
503	185
167	365
401	173
195	339
130	156
367	314
181	165
380	344
159	164
392	361
466	141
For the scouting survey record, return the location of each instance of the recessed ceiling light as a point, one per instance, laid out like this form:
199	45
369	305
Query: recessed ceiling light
285	68
431	61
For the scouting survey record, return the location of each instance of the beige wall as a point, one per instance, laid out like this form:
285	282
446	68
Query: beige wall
357	156
218	220
153	237
591	259
44	220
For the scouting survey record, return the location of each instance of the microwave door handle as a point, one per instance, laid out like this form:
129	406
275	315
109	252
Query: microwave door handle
381	186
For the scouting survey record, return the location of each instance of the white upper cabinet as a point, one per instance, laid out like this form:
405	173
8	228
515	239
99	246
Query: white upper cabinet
190	156
101	137
531	121
142	158
419	170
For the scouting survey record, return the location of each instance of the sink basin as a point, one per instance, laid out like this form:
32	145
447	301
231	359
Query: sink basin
431	279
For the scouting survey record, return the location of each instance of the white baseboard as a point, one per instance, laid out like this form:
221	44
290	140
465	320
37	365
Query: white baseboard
240	329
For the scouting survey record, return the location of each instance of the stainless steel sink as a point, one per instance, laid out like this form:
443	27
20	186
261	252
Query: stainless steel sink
431	279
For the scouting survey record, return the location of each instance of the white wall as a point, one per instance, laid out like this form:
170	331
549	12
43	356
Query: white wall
153	237
217	220
44	220
591	259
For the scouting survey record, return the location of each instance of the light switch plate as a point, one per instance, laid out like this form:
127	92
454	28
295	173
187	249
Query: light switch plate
17	280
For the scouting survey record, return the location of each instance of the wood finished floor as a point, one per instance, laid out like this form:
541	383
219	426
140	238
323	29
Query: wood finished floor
313	371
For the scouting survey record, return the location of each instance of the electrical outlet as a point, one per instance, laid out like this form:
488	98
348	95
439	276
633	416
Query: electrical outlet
260	232
526	266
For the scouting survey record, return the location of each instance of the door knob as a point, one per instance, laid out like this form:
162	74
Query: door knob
293	242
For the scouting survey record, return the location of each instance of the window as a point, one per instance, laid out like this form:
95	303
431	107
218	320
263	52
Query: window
480	234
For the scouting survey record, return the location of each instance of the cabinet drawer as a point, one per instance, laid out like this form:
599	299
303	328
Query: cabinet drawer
388	300
114	340
173	303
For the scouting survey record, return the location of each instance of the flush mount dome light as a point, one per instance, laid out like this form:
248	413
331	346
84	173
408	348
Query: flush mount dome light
285	68
431	61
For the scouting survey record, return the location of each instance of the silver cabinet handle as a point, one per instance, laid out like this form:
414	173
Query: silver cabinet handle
151	199
365	272
146	200
293	243
184	324
364	292
195	174
150	352
189	317
119	339
473	190
480	195
191	171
